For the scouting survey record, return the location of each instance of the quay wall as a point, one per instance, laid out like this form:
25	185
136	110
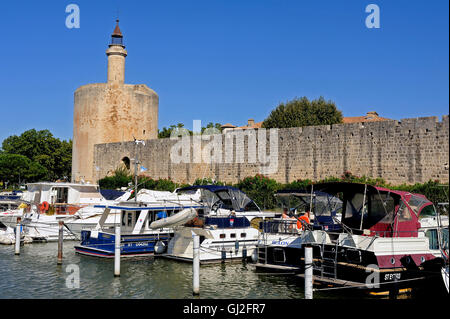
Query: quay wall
409	151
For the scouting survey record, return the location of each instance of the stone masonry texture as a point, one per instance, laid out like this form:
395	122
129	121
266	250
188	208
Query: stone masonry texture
408	151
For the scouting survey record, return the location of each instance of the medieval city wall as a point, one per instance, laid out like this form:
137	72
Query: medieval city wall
407	151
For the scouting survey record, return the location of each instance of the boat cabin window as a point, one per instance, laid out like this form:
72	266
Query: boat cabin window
251	207
416	202
62	195
6	206
232	235
222	236
432	235
378	208
225	199
129	219
382	207
432	238
243	235
37	197
428	211
403	213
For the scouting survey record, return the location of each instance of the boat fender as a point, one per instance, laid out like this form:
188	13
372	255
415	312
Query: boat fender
160	247
255	256
44	207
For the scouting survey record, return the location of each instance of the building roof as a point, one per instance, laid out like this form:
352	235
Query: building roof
117	31
248	126
369	117
228	125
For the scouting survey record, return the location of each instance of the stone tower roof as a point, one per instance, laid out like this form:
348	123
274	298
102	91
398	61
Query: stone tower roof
117	31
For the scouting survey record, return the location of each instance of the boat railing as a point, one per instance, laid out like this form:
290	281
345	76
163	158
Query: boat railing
391	234
64	209
227	222
283	226
289	226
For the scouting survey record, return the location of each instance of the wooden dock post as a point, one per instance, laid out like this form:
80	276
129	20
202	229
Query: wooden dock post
196	266
308	273
18	233
60	242
117	253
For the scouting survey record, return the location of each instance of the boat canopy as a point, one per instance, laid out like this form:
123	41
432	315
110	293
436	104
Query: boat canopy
225	197
323	204
383	211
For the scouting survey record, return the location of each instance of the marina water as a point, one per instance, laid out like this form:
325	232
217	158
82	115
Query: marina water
35	274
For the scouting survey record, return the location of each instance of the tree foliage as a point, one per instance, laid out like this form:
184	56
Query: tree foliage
302	112
262	189
15	168
166	132
49	158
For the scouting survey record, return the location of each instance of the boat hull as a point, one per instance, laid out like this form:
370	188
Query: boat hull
216	245
102	244
360	268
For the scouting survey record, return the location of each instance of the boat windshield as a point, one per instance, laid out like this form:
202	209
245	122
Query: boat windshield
323	204
230	199
416	203
428	211
372	208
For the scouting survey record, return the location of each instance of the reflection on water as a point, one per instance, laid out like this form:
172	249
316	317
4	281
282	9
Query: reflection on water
35	274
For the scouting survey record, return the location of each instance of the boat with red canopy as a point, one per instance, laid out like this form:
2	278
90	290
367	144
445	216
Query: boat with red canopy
381	244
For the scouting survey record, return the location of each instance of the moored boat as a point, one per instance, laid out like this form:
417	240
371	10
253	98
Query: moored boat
379	247
48	203
140	232
228	226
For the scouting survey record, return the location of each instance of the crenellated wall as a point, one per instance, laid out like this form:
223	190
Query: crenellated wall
407	151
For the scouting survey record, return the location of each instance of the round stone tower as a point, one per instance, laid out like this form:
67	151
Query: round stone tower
110	112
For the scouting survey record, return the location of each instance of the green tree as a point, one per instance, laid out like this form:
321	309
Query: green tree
261	189
165	132
44	149
210	125
302	112
16	168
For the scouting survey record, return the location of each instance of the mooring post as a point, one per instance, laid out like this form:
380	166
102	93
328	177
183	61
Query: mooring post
60	242
308	273
18	233
117	253
196	266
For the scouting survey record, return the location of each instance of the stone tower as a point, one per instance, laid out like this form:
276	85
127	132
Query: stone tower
110	112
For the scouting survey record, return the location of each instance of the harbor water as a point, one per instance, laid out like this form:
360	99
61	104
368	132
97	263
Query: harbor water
35	274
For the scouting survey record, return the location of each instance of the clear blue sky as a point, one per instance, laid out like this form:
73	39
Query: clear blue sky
226	60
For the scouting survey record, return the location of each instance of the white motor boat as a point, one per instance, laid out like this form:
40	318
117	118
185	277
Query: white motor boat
163	199
48	203
228	226
145	226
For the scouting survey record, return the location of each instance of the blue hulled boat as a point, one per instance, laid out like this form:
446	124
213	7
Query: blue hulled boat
145	228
